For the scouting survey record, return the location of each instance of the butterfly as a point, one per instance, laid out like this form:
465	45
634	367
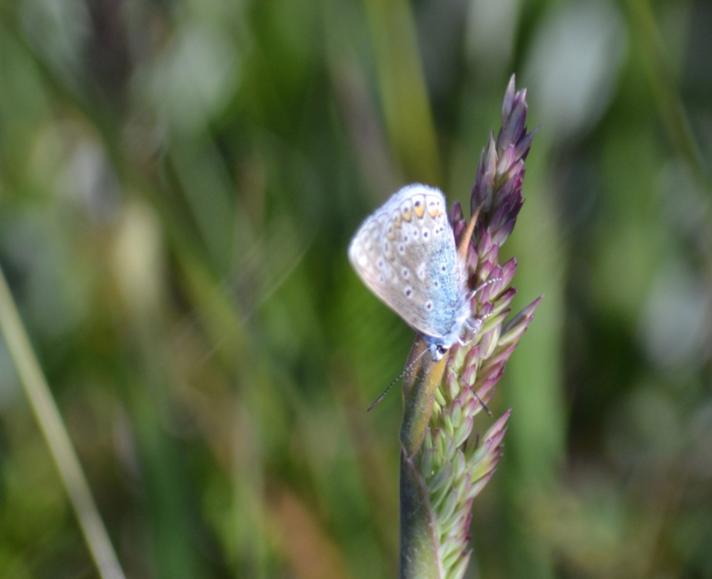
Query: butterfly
405	253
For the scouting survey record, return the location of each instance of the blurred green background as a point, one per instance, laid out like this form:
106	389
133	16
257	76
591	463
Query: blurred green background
179	180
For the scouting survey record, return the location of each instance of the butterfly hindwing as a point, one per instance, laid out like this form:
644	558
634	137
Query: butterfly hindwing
405	253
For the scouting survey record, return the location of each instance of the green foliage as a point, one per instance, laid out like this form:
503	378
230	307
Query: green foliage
178	185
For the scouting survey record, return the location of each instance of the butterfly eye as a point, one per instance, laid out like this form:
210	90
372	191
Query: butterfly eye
438	352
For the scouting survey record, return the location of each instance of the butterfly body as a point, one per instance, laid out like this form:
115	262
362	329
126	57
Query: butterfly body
405	253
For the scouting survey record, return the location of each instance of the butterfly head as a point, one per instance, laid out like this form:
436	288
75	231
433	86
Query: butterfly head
438	351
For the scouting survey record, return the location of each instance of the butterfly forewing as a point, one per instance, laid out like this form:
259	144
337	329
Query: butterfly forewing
405	253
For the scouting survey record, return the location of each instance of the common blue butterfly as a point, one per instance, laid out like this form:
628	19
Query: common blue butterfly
405	253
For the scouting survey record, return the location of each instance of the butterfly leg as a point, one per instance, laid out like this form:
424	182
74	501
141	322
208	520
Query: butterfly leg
472	327
473	324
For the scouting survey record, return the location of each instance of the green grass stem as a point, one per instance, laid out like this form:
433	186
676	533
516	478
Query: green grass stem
60	446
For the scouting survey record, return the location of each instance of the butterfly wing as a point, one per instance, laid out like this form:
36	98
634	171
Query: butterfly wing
405	253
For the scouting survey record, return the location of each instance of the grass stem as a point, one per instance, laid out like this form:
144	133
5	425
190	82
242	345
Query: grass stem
60	446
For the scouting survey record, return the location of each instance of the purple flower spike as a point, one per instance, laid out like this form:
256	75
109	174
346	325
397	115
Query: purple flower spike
448	469
498	186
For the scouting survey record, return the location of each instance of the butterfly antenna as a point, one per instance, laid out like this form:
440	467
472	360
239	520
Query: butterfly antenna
483	285
405	372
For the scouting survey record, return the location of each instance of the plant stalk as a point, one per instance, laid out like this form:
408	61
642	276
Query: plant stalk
60	446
